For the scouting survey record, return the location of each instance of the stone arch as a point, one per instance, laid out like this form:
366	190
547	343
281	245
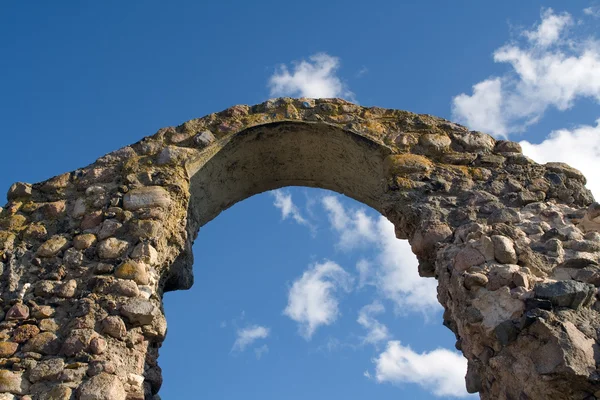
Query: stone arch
87	255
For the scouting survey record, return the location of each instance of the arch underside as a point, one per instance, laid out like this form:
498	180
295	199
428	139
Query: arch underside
515	246
276	155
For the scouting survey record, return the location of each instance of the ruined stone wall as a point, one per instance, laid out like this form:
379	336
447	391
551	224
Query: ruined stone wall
86	256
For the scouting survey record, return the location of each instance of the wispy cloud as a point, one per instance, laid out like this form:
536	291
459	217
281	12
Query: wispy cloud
552	67
259	352
355	230
312	300
394	270
593	11
316	78
248	335
283	201
440	371
363	71
376	331
579	147
549	30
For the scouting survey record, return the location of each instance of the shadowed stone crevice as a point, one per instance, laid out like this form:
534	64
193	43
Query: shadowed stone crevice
85	257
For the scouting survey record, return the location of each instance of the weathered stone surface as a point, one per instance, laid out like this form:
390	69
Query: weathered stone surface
114	326
475	280
203	139
7	240
566	169
77	341
91	220
7	349
13	382
436	143
103	387
138	311
61	392
133	270
145	252
19	190
112	248
73	257
407	164
52	246
571	294
150	196
46	343
54	209
25	332
467	258
43	312
98	345
47	370
17	312
476	142
84	241
109	228
49	325
497	307
506	146
126	287
504	250
67	289
145	229
79	208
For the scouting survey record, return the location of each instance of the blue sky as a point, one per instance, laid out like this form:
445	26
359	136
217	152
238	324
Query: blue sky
81	79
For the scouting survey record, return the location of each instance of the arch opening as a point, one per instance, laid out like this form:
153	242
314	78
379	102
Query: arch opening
245	277
276	155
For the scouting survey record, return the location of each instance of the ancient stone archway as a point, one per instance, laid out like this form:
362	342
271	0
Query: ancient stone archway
86	256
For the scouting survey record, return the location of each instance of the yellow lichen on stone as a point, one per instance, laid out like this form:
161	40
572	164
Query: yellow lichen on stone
7	349
13	222
7	240
30	207
134	271
52	246
84	241
404	183
407	164
35	231
477	174
435	143
376	128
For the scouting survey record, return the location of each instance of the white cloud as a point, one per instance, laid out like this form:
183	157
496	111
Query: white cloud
261	351
283	201
311	299
398	277
249	335
364	269
376	331
579	148
440	371
483	109
593	11
394	271
549	30
314	78
553	68
355	230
